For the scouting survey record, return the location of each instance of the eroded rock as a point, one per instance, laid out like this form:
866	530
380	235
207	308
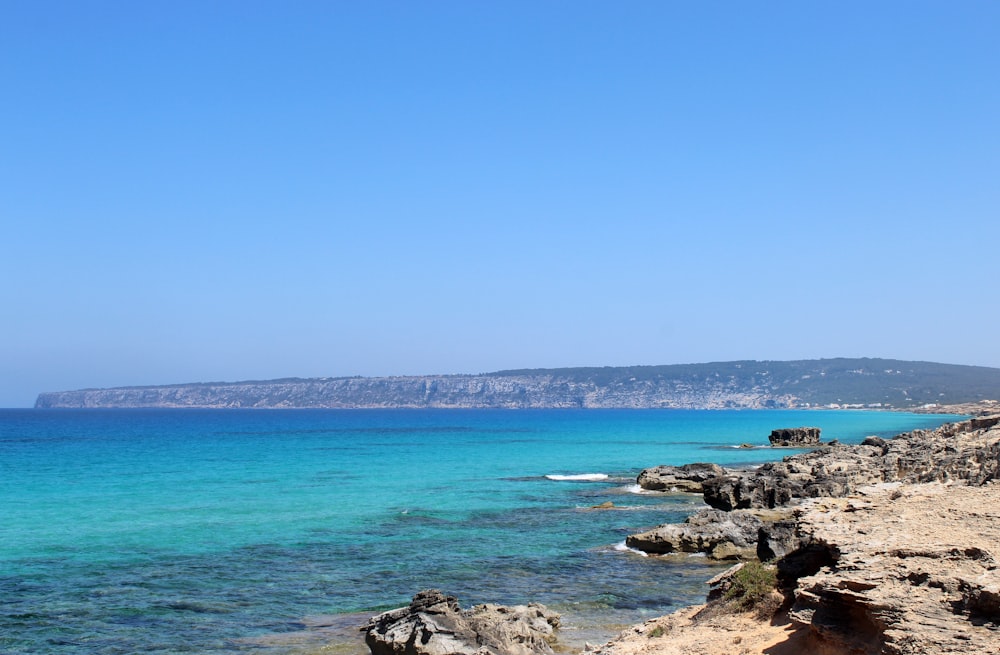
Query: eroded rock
903	573
721	535
794	437
434	624
968	451
679	478
890	547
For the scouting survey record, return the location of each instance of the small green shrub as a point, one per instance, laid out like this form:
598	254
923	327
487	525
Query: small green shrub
751	584
658	631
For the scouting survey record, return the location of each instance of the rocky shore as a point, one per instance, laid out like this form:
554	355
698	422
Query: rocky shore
894	569
886	547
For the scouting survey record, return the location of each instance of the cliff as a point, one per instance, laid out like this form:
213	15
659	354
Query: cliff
479	391
747	384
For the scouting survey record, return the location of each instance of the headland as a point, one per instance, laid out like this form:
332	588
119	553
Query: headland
844	383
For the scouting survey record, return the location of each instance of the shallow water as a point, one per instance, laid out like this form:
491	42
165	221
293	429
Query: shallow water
170	531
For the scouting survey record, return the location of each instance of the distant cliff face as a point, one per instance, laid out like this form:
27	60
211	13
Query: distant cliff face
746	384
480	391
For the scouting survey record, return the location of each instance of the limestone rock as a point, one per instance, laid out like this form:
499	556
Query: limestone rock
721	535
776	539
680	478
908	570
735	529
794	437
720	584
968	451
890	547
433	624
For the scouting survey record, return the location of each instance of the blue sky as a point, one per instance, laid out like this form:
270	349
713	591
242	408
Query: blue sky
196	191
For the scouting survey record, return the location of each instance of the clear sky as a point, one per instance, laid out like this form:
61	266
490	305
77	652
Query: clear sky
210	190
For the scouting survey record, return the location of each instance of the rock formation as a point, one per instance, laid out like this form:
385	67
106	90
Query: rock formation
433	624
896	569
740	526
679	478
794	437
722	535
912	570
890	547
956	451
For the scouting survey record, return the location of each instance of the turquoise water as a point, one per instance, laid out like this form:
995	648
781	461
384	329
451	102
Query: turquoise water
169	531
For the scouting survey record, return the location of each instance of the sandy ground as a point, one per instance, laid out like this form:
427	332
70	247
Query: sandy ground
684	633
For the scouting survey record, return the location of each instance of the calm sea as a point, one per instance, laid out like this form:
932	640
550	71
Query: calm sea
221	531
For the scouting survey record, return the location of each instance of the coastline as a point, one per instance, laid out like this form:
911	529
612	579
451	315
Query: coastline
291	559
897	567
915	574
840	383
880	547
980	408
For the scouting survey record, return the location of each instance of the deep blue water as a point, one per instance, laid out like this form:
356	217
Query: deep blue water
220	531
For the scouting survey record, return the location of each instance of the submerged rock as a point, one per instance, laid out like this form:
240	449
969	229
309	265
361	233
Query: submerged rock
434	624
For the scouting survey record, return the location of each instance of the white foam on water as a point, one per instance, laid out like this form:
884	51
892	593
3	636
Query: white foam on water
636	489
620	547
579	477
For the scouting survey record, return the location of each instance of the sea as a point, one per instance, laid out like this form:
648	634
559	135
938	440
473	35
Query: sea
282	531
